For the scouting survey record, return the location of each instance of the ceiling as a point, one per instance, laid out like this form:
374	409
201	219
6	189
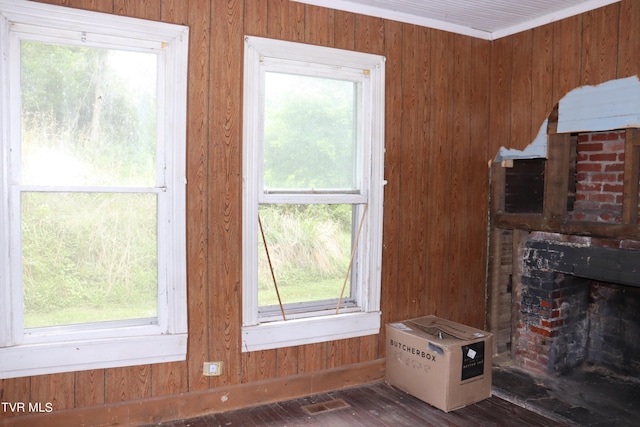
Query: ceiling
486	19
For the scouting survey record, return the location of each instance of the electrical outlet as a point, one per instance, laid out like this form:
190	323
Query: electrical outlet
212	369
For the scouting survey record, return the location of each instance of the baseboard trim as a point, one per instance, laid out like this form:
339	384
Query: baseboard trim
195	404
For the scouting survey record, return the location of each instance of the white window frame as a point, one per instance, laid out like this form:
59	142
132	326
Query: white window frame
261	332
105	344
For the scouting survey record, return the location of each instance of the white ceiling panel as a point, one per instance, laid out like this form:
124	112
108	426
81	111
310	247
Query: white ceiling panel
487	19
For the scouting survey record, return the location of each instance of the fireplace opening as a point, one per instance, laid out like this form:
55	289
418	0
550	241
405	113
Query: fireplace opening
579	306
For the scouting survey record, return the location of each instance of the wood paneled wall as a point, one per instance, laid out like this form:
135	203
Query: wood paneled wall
451	102
533	70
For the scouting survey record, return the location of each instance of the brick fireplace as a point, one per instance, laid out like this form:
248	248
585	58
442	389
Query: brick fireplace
578	301
579	304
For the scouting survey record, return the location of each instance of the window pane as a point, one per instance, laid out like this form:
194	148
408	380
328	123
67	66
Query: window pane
310	133
309	247
88	257
88	116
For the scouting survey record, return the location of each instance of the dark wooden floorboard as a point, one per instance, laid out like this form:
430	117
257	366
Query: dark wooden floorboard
374	405
389	408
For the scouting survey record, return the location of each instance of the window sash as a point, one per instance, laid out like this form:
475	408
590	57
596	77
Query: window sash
98	41
351	302
101	344
20	334
362	133
88	330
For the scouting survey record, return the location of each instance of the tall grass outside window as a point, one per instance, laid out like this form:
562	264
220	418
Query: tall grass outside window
88	125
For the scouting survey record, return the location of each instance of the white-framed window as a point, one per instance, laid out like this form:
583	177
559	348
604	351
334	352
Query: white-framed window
92	180
313	160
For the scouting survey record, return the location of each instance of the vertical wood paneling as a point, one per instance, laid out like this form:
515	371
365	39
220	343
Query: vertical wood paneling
312	358
440	219
258	365
541	85
370	34
521	87
198	192
319	25
128	383
567	54
392	167
89	389
459	275
94	5
412	173
174	11
345	30
600	40
15	390
225	189
144	9
342	352
58	388
286	20
501	70
169	378
369	348
628	38
255	17
287	361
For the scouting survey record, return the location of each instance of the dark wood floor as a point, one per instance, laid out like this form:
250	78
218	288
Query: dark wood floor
372	405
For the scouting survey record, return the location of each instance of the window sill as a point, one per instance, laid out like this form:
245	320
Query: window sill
71	356
309	330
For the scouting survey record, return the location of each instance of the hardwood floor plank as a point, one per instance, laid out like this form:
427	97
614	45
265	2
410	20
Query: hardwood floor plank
373	405
385	407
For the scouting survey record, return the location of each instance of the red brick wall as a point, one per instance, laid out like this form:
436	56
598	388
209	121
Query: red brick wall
599	176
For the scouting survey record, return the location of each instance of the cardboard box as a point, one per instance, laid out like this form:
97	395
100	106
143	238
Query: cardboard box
444	363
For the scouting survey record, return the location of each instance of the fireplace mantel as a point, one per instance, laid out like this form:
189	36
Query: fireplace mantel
583	257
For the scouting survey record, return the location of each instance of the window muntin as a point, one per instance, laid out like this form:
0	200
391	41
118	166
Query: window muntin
313	142
99	189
